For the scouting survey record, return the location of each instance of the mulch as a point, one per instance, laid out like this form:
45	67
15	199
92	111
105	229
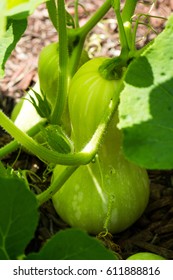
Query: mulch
154	230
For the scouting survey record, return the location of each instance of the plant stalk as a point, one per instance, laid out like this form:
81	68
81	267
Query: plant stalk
76	3
122	33
79	34
99	14
14	145
61	94
56	185
127	14
128	10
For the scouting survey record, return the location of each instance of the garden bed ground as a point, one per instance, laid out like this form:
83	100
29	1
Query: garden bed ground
154	230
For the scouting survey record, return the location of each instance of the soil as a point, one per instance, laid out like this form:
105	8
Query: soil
154	230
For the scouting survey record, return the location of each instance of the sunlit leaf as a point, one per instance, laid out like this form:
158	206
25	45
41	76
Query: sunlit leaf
21	8
146	105
8	41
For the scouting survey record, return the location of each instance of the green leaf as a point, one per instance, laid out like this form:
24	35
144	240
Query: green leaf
40	103
8	41
146	105
15	9
53	15
18	217
2	170
2	18
13	3
19	9
72	244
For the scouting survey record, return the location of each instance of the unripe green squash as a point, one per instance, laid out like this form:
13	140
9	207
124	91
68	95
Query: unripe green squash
108	194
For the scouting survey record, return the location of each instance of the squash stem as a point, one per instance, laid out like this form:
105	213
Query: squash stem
77	36
97	16
56	185
122	33
61	94
14	145
76	3
128	10
127	14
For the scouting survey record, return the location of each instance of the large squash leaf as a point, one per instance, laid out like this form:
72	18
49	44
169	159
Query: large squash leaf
146	105
73	244
18	217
